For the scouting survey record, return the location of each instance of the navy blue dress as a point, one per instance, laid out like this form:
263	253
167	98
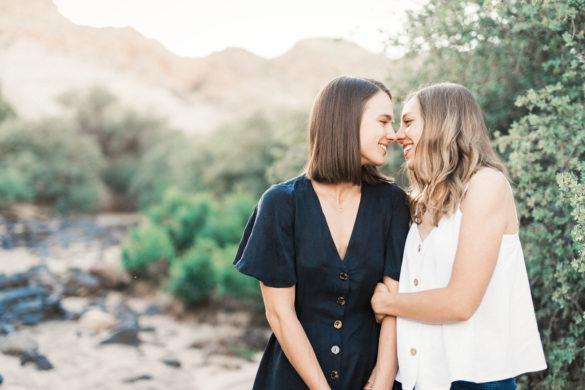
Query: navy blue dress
287	242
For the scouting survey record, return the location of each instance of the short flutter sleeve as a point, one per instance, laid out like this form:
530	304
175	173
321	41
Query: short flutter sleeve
267	250
397	232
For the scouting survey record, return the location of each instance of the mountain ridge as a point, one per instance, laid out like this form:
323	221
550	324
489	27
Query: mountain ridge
45	54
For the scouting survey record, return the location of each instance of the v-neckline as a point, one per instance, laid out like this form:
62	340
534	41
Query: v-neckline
326	225
422	241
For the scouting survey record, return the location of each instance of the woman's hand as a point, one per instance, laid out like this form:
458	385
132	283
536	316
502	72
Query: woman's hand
379	300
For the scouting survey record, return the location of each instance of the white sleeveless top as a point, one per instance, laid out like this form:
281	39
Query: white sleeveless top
501	338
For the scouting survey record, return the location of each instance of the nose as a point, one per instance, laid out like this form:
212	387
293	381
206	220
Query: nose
390	133
400	135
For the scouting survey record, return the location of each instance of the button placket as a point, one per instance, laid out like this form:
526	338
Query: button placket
336	345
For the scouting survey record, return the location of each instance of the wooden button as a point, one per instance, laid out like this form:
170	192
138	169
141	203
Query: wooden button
344	276
341	301
337	324
413	351
415	282
334	375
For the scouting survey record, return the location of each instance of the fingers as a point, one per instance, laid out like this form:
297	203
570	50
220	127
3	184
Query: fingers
381	287
380	318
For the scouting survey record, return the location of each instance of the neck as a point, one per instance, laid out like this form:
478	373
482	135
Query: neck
339	191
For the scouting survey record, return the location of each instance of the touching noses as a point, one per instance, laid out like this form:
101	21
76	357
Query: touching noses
390	134
400	135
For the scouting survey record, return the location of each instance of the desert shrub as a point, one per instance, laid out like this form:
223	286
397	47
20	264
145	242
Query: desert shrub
148	252
227	222
193	275
192	239
6	110
55	165
123	135
183	217
231	283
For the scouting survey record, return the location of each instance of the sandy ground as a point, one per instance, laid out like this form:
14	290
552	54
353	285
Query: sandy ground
202	341
81	363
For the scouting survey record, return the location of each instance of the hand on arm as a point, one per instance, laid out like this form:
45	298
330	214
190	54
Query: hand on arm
485	217
282	317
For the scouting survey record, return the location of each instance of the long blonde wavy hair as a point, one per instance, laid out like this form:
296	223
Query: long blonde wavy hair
454	144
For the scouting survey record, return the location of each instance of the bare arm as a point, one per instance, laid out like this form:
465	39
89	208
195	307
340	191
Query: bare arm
387	362
282	317
486	217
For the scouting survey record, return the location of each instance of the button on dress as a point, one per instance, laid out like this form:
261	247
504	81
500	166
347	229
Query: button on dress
287	242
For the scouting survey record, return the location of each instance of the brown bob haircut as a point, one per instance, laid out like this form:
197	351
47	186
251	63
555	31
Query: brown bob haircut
334	132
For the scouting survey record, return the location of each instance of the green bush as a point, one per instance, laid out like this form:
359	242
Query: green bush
14	186
232	284
6	110
193	276
227	222
123	136
148	252
170	164
183	217
203	233
494	48
55	165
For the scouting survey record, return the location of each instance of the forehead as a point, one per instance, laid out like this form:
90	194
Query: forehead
411	107
379	102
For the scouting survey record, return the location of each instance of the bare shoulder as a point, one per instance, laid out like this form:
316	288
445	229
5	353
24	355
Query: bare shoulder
488	191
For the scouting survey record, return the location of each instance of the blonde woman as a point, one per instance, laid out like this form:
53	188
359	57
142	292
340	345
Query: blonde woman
465	313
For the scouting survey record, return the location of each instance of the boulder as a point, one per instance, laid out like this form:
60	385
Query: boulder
97	320
16	344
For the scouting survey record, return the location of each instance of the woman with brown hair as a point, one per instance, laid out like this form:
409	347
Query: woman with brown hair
319	244
465	318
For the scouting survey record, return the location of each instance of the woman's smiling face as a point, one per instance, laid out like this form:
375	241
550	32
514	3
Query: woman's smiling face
411	128
376	130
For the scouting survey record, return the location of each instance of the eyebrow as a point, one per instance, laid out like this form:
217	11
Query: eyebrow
405	114
389	117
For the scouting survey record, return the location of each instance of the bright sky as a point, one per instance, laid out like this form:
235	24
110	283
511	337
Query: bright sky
268	28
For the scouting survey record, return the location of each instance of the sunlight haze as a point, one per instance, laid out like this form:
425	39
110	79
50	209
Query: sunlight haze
267	28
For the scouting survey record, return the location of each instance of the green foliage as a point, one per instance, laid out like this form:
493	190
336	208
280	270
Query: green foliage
232	284
46	161
183	217
173	163
227	223
573	189
6	110
203	232
124	137
193	275
148	251
252	154
495	48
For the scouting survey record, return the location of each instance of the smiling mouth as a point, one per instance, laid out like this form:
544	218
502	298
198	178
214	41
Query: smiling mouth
383	146
407	148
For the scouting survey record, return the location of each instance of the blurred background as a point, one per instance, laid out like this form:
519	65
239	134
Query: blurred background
137	136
